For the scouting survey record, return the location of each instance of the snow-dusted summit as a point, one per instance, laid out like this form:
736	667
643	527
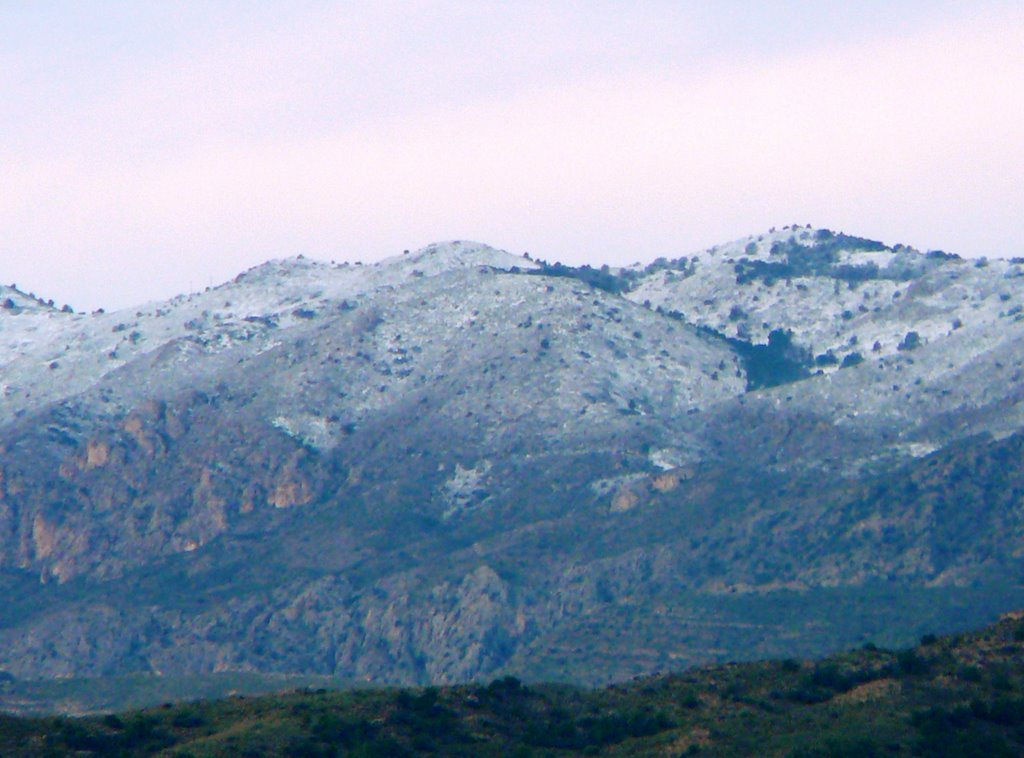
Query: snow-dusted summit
48	354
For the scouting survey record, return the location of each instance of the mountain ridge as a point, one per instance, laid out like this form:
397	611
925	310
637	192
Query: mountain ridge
423	469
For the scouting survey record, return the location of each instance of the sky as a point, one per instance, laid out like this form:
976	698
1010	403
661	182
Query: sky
154	148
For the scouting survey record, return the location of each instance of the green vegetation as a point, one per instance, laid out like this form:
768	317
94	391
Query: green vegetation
779	361
950	696
600	278
819	256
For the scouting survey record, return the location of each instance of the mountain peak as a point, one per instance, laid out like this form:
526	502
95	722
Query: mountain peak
455	254
277	267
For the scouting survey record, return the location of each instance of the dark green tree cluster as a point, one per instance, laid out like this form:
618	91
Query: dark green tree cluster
819	258
600	278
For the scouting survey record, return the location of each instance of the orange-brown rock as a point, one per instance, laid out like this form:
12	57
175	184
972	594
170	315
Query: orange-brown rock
133	424
145	437
97	454
44	536
665	482
290	492
625	500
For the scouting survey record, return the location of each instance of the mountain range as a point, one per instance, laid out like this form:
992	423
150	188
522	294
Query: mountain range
460	463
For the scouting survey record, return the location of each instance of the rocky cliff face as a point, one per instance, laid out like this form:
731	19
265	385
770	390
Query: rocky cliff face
460	462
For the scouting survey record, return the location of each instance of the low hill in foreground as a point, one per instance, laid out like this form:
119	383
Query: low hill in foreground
960	695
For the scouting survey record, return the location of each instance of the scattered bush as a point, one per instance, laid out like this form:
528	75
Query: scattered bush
909	663
187	719
969	674
911	341
807	694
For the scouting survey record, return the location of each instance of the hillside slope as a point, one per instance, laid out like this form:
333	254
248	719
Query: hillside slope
954	696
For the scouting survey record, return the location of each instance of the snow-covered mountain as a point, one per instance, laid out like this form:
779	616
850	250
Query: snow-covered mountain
452	462
247	311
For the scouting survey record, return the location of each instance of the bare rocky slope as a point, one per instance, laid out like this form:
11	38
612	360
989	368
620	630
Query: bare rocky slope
460	462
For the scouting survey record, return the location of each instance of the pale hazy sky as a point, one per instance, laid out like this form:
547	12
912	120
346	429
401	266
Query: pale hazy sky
148	148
